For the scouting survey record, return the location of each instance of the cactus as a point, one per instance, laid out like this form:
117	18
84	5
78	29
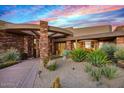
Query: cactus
56	83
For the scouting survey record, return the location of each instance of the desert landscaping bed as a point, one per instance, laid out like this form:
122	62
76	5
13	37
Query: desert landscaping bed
73	75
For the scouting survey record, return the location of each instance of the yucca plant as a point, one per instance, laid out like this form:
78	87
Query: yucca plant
78	55
97	58
11	55
109	71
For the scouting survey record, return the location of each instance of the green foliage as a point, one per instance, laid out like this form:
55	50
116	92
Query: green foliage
52	67
66	53
97	58
78	55
119	54
98	65
89	50
11	55
7	64
109	71
96	73
45	61
109	49
88	67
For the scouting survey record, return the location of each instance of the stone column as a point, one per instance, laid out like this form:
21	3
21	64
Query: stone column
120	41
69	45
43	41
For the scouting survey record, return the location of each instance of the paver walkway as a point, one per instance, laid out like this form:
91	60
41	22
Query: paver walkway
21	75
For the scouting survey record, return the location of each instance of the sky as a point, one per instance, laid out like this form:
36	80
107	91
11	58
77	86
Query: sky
64	15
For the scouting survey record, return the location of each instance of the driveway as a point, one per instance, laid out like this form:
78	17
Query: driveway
21	75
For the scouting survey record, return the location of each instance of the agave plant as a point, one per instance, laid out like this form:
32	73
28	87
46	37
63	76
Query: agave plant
97	58
78	55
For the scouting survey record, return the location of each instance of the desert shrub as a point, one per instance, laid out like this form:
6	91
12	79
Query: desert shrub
88	67
66	52
45	61
11	55
56	83
96	73
109	71
110	49
52	67
78	55
97	58
119	54
7	64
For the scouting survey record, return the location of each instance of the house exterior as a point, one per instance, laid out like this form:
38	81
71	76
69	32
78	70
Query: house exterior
32	39
94	37
41	40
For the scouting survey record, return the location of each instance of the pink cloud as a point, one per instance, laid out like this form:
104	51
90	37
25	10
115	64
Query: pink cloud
49	19
84	9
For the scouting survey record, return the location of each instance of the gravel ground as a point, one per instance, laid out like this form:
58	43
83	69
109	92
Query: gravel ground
74	78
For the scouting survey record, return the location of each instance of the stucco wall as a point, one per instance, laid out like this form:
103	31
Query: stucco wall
90	30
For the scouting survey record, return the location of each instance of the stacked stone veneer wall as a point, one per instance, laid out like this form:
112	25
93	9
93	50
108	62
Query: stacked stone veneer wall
120	41
10	40
20	42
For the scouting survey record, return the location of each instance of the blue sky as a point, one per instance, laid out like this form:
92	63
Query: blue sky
65	15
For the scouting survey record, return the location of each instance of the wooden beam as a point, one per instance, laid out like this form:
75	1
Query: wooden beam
35	33
52	34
